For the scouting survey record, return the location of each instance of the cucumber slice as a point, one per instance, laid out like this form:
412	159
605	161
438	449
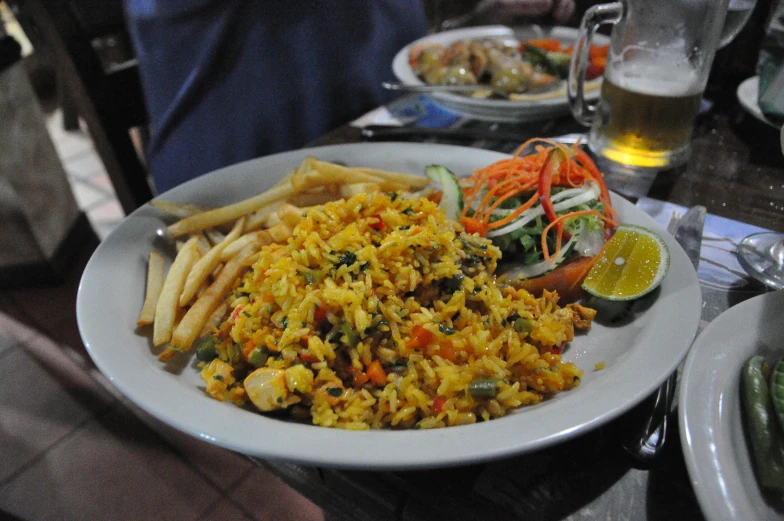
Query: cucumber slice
452	200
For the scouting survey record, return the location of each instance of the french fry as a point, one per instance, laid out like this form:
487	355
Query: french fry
207	264
166	308
353	189
211	218
280	233
155	270
257	219
273	219
410	180
315	196
235	247
214	236
178	210
389	181
204	245
329	173
290	215
191	324
215	318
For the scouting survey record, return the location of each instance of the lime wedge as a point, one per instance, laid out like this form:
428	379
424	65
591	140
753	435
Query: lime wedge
633	262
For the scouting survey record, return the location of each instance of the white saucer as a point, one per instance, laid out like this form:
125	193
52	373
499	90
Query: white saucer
747	93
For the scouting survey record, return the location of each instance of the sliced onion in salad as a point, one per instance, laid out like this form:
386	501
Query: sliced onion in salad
540	268
574	197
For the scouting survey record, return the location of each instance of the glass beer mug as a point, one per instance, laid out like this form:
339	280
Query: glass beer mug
657	67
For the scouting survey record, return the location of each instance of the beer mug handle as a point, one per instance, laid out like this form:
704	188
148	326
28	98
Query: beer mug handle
597	15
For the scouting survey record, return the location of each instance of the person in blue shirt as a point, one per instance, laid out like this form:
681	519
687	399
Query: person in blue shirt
230	80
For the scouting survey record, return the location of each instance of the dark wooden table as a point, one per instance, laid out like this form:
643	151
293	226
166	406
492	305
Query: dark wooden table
736	171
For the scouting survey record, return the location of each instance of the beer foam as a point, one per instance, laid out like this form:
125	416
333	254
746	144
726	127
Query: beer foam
666	76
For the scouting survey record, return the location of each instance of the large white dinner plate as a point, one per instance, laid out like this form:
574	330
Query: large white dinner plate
638	356
712	436
539	107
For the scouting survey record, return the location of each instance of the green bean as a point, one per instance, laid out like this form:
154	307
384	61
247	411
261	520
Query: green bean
483	387
777	391
351	337
765	435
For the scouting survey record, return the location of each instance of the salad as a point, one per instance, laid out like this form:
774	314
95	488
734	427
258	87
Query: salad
548	211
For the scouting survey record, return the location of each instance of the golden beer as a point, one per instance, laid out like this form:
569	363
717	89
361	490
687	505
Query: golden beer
647	123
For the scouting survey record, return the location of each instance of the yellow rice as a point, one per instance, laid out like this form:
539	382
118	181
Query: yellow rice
355	282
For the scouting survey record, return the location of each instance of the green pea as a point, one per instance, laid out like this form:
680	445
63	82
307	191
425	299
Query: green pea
313	277
205	348
523	325
258	357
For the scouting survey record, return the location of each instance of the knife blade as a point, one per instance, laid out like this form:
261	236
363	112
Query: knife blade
688	233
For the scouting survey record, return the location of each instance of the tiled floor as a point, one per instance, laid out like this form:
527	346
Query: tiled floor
72	448
90	183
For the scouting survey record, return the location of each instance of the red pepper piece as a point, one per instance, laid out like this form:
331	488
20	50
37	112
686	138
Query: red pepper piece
379	224
420	338
552	164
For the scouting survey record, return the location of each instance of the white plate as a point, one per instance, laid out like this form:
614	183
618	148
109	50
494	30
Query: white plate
499	110
748	97
712	436
638	356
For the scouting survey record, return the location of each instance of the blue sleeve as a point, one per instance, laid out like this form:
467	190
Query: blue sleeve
229	80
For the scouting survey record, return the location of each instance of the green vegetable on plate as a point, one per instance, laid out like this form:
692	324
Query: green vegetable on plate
764	432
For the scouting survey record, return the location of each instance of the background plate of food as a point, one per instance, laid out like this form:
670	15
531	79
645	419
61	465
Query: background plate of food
521	61
325	370
714	429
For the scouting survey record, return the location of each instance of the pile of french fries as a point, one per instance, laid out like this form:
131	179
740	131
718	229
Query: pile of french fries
215	247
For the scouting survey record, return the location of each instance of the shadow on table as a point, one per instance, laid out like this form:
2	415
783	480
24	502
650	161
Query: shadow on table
670	495
763	140
573	480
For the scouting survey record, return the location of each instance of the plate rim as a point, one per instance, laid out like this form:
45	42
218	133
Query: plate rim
746	93
334	437
715	498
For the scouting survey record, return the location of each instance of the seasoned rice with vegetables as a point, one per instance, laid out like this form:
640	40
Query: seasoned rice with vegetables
379	312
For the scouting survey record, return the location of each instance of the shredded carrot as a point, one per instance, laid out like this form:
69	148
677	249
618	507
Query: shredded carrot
471	225
488	187
376	373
